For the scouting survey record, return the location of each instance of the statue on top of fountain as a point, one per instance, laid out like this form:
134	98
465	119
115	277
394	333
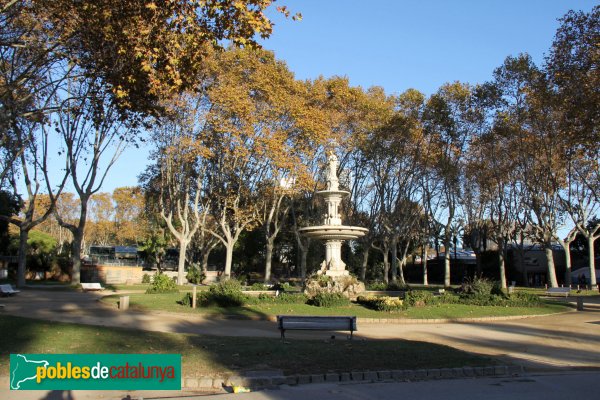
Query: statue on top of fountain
332	179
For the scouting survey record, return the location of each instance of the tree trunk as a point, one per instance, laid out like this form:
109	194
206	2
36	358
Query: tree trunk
386	263
551	268
22	260
447	261
478	268
78	232
365	261
502	263
268	259
424	262
591	255
181	265
205	260
228	259
76	257
402	263
394	250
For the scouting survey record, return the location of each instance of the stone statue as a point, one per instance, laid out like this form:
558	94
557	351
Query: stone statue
332	180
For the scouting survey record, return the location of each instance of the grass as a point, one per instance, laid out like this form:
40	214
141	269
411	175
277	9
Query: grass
209	355
168	302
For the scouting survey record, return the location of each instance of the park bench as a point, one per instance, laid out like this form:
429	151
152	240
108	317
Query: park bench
558	291
7	290
91	286
321	323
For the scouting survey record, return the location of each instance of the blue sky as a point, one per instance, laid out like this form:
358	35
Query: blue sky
399	45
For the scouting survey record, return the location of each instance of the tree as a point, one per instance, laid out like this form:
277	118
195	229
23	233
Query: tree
130	226
451	120
572	70
145	51
93	136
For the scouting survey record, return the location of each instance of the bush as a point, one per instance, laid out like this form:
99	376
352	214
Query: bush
284	298
325	299
195	274
162	284
146	278
186	300
418	298
227	293
481	286
259	286
376	286
385	303
283	287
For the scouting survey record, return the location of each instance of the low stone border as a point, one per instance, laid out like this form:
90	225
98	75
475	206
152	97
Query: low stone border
208	383
265	382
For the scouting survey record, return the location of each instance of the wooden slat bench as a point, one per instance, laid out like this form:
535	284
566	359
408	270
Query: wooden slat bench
8	290
322	323
91	286
558	291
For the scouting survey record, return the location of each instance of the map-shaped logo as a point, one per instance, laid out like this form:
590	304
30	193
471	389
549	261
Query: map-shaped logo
23	369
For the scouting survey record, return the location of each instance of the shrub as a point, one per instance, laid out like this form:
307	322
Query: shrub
480	286
227	293
283	287
418	298
284	298
186	300
195	274
146	278
259	286
384	303
395	286
162	284
378	286
325	299
521	299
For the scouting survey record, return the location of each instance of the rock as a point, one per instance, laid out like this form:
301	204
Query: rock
348	285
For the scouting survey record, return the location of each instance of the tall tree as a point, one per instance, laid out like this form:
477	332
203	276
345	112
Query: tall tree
451	119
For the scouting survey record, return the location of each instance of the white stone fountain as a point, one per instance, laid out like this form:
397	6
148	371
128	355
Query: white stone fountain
332	231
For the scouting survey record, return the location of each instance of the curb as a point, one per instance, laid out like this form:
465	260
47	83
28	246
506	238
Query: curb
270	382
209	383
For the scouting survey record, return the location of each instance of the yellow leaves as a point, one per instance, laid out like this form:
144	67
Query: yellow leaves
151	6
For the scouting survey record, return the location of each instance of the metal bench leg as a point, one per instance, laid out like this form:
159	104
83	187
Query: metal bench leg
282	333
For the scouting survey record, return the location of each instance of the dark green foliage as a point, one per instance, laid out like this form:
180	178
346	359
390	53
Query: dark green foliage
161	283
195	274
9	206
146	278
227	293
325	299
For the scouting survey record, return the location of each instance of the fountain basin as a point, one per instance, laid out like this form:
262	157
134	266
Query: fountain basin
333	232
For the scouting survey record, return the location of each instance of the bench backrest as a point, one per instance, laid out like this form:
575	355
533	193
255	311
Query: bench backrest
6	289
91	286
317	322
559	290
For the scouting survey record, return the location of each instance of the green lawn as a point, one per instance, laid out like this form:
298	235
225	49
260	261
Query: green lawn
168	302
204	355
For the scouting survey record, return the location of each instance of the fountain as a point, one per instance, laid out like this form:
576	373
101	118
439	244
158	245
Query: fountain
332	231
